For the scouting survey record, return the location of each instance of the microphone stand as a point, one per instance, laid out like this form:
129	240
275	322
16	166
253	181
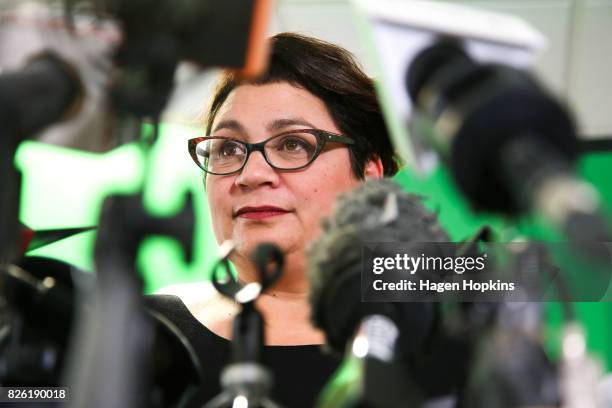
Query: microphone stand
382	380
116	339
245	381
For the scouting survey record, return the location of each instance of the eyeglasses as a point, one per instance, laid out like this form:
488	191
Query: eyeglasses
290	150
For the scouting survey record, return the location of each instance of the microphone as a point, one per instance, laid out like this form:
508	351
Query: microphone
510	146
245	381
394	334
335	259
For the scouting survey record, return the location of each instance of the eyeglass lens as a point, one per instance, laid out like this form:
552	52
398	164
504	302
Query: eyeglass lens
286	151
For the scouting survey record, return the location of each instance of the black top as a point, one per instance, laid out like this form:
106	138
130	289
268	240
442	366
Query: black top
300	372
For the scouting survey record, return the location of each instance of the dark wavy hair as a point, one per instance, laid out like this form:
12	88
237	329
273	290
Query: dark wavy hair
332	74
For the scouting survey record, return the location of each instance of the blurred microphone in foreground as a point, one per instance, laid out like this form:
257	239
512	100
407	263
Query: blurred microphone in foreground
457	89
445	353
510	146
387	341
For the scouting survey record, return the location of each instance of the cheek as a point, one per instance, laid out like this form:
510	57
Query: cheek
319	201
219	210
334	185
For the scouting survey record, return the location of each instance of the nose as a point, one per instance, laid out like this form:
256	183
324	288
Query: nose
257	172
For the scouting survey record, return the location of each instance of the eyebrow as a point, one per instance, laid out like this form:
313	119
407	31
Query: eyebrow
276	125
229	125
280	124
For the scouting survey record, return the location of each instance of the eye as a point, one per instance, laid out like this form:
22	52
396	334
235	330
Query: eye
296	144
230	148
293	144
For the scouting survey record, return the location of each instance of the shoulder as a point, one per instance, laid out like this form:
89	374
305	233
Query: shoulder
202	301
190	293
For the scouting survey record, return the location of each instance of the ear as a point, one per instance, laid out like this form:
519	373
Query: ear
373	169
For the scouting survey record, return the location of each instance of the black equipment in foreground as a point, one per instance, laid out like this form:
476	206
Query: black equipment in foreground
116	336
510	145
211	33
379	211
245	381
45	91
110	357
37	318
411	353
221	33
388	338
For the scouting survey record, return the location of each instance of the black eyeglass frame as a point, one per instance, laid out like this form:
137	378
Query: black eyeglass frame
323	137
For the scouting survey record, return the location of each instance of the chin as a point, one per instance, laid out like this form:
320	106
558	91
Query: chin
247	242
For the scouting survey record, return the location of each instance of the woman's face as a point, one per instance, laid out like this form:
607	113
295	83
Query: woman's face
261	204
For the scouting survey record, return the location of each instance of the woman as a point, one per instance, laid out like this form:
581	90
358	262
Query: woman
324	134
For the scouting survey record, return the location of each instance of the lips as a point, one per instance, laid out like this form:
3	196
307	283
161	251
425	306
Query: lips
260	212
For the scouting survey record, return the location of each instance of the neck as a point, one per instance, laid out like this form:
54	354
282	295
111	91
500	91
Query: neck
285	306
292	282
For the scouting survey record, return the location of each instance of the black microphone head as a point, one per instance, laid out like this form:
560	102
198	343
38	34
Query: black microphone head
335	262
269	261
493	106
428	63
